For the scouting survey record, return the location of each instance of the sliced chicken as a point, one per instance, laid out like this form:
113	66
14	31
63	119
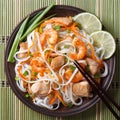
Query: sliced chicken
40	89
57	62
23	46
82	89
93	65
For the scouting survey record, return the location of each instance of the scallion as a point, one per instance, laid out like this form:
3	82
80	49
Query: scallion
56	27
16	41
17	78
25	73
33	24
72	67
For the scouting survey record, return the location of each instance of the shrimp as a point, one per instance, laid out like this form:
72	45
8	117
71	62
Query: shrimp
82	50
62	21
38	66
50	36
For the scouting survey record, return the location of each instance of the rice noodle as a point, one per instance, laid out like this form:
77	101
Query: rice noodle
21	59
55	78
105	73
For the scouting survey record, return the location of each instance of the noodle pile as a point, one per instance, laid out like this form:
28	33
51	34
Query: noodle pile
44	63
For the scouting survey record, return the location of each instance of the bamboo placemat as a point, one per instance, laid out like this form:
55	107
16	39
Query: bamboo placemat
12	11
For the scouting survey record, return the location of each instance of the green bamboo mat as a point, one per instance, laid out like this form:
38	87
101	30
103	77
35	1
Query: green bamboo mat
11	12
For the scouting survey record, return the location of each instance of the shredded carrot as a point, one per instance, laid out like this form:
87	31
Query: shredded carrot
56	95
52	22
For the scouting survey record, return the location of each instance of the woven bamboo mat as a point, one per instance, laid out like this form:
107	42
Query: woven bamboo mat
11	12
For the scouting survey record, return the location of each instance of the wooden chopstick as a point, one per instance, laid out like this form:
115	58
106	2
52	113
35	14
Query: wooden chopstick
98	89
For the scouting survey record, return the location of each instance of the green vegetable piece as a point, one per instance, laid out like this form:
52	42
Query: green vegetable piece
19	37
30	54
56	27
50	60
66	46
16	41
41	15
34	18
27	95
47	51
25	73
35	73
29	30
17	78
68	31
70	105
72	68
66	60
97	75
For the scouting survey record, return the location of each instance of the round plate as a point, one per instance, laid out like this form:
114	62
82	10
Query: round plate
59	10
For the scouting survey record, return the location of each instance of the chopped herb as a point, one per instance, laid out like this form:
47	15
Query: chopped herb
25	73
87	68
30	54
49	60
47	51
66	60
52	94
68	31
56	27
72	68
70	105
16	78
66	46
27	95
35	73
97	75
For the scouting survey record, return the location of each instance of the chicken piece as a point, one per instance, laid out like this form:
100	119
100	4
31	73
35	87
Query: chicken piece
82	89
23	46
57	62
63	20
93	65
40	89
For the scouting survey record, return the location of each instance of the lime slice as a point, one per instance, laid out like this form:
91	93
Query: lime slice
105	39
89	22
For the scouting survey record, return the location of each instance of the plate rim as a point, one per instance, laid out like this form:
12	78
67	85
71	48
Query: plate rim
41	110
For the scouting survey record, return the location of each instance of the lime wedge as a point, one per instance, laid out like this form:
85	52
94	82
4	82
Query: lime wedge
89	22
105	39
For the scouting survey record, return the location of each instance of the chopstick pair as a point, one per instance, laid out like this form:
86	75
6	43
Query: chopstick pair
101	92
